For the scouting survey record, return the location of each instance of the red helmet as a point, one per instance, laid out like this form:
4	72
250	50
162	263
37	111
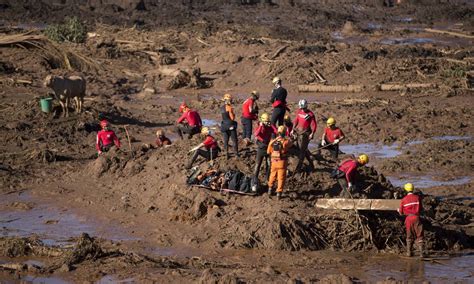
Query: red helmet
104	123
183	107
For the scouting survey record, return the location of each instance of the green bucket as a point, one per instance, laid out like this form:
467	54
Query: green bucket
46	105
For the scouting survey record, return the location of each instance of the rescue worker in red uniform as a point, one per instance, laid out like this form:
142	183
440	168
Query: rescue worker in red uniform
229	126
411	206
345	174
278	101
207	149
331	137
161	139
263	135
189	123
249	115
304	127
106	138
278	151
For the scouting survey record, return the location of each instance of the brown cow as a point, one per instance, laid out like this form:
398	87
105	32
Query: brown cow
66	88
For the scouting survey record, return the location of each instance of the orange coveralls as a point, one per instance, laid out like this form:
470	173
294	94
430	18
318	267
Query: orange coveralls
279	163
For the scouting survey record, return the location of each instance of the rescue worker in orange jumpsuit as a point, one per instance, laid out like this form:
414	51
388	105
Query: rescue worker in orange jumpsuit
189	123
229	126
249	115
106	138
278	151
263	135
411	206
304	127
346	172
331	137
209	149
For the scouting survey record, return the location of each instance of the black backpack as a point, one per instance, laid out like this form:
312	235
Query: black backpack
234	183
245	184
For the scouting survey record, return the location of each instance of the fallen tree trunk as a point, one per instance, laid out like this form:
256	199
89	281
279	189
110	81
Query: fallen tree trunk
358	204
399	87
330	89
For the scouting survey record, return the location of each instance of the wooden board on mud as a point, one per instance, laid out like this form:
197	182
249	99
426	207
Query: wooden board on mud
359	204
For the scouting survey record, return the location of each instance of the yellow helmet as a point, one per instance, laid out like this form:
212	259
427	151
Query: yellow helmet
276	80
205	130
282	129
408	187
160	132
363	159
227	97
264	117
256	94
330	121
287	117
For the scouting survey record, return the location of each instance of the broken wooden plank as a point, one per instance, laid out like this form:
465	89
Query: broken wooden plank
330	89
399	87
449	33
358	204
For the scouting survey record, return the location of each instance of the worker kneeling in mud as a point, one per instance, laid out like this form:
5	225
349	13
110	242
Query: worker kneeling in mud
278	151
411	206
304	127
331	137
189	123
263	135
207	149
106	138
161	139
345	174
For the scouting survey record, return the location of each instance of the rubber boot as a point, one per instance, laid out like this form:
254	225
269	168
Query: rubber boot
409	252
227	155
193	159
278	195
269	192
421	249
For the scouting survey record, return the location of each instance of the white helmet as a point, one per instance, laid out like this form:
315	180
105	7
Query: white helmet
303	103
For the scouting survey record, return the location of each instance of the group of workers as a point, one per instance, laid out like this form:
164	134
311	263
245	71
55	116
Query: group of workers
274	136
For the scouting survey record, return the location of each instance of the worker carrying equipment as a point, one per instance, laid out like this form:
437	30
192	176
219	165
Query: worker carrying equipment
304	128
249	115
278	101
161	139
209	149
345	174
278	151
411	207
189	123
106	138
229	126
263	135
331	138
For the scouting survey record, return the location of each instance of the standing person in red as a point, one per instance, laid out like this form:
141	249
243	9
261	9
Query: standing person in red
278	101
207	149
263	135
345	174
304	127
411	206
189	123
106	138
249	115
331	137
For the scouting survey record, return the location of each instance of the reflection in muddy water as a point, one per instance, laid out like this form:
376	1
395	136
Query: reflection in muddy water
406	41
49	280
112	279
209	122
452	138
373	150
427	181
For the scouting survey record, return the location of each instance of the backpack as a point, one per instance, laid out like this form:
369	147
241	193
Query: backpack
234	183
245	184
277	147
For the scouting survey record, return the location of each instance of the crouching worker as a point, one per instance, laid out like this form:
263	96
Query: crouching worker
106	138
345	174
278	151
331	137
189	123
161	139
207	149
411	207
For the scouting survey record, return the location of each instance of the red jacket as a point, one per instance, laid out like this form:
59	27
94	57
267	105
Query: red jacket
246	107
210	142
410	205
264	133
349	167
105	138
332	134
192	117
305	120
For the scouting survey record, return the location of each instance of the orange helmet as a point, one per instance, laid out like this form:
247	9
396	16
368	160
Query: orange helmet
183	107
104	123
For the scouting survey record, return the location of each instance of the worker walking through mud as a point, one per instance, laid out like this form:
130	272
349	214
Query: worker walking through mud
411	207
249	115
278	101
346	174
263	135
331	138
106	138
189	123
208	149
304	128
229	126
278	151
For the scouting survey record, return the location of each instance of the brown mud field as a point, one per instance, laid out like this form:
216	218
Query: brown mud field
67	215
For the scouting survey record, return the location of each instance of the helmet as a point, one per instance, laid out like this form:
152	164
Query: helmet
227	97
255	94
303	103
408	187
331	121
160	132
205	130
265	117
281	129
287	117
104	123
183	107
363	159
276	80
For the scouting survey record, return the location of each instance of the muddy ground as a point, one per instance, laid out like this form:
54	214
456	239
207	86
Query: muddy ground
143	58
